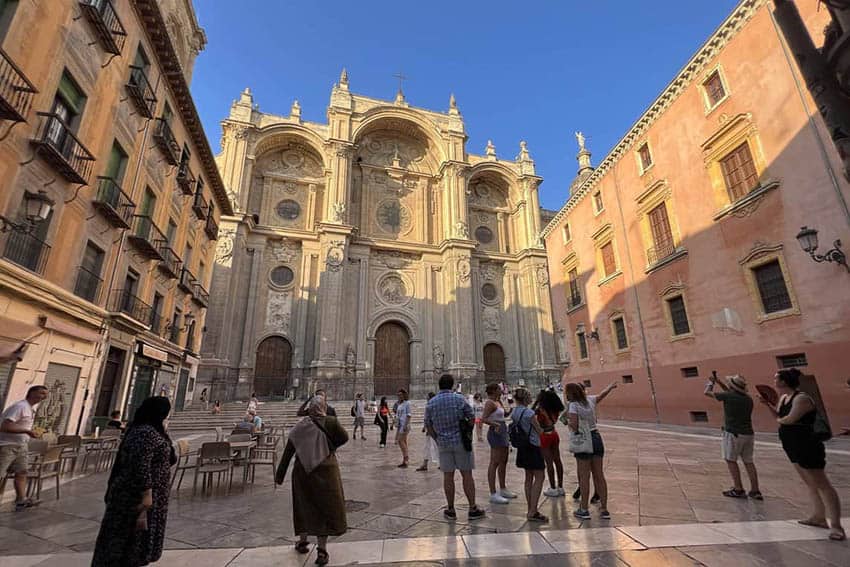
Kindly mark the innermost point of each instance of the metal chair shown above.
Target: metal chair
(72, 450)
(46, 466)
(185, 462)
(265, 454)
(213, 458)
(239, 437)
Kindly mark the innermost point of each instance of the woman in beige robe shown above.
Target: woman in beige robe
(318, 502)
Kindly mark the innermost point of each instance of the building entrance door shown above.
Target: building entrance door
(494, 363)
(271, 370)
(392, 359)
(109, 380)
(182, 384)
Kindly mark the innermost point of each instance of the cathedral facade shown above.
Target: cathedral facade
(373, 252)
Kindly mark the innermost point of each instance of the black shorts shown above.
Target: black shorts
(808, 455)
(598, 447)
(530, 458)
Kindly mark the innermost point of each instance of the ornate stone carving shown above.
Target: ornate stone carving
(542, 275)
(224, 247)
(439, 358)
(283, 250)
(350, 359)
(393, 290)
(463, 269)
(278, 311)
(295, 160)
(335, 255)
(491, 322)
(339, 210)
(395, 259)
(393, 217)
(390, 148)
(491, 271)
(461, 230)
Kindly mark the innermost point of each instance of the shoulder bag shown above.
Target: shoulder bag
(581, 441)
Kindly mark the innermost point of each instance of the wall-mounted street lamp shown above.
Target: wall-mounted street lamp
(188, 319)
(808, 239)
(38, 207)
(594, 334)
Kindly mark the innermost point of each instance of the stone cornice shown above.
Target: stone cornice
(745, 10)
(153, 23)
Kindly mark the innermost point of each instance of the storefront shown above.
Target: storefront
(147, 364)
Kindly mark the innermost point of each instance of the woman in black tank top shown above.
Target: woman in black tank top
(796, 414)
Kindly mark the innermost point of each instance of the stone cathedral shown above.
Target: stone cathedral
(373, 252)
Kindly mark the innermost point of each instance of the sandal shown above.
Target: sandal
(538, 517)
(814, 523)
(735, 493)
(755, 495)
(302, 547)
(322, 556)
(837, 534)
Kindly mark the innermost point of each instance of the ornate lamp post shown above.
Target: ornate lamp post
(808, 239)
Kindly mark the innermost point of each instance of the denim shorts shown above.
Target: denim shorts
(499, 439)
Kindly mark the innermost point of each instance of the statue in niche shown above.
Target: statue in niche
(439, 358)
(350, 359)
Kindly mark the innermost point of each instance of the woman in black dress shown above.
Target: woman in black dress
(382, 420)
(133, 526)
(796, 413)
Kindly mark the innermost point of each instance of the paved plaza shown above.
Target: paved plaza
(665, 500)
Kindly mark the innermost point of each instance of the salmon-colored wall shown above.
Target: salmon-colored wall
(761, 86)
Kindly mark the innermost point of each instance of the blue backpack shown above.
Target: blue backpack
(519, 438)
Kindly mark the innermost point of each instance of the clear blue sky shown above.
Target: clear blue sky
(533, 70)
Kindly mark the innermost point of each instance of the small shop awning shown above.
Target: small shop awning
(14, 337)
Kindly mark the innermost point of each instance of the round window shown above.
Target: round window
(282, 276)
(488, 291)
(288, 210)
(484, 235)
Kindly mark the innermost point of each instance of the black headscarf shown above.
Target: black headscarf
(153, 412)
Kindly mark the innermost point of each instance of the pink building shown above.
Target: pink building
(677, 255)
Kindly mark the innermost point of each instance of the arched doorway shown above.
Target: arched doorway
(494, 363)
(392, 358)
(271, 371)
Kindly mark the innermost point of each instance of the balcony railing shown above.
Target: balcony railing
(103, 18)
(164, 138)
(61, 149)
(211, 228)
(140, 90)
(573, 300)
(88, 284)
(174, 332)
(187, 281)
(15, 91)
(147, 237)
(200, 206)
(26, 250)
(185, 178)
(113, 203)
(659, 252)
(156, 322)
(200, 295)
(124, 301)
(171, 264)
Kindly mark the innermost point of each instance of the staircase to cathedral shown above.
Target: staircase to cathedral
(197, 420)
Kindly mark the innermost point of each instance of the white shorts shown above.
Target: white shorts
(736, 447)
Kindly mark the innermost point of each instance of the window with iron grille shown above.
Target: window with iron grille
(662, 236)
(609, 263)
(575, 293)
(772, 289)
(678, 315)
(88, 277)
(597, 201)
(714, 89)
(620, 333)
(690, 372)
(582, 345)
(792, 360)
(739, 172)
(628, 379)
(645, 157)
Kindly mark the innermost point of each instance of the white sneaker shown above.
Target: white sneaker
(561, 492)
(507, 493)
(551, 492)
(496, 498)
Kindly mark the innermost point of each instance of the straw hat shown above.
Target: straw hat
(737, 382)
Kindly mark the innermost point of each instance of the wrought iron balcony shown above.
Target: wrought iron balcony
(124, 301)
(659, 252)
(200, 206)
(113, 203)
(58, 145)
(164, 138)
(156, 322)
(185, 178)
(200, 295)
(15, 91)
(573, 300)
(187, 281)
(88, 284)
(26, 250)
(103, 18)
(211, 228)
(147, 238)
(141, 91)
(174, 331)
(171, 264)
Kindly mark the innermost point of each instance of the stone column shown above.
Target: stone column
(334, 253)
(339, 187)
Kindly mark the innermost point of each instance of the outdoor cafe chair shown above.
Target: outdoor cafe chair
(265, 454)
(214, 458)
(186, 460)
(45, 467)
(71, 452)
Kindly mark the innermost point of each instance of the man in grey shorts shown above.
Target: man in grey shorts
(442, 422)
(738, 438)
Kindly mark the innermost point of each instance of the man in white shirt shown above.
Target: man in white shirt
(15, 431)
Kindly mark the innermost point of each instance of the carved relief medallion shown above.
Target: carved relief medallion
(463, 269)
(393, 217)
(335, 255)
(393, 290)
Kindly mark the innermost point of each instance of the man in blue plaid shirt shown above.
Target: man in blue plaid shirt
(442, 422)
